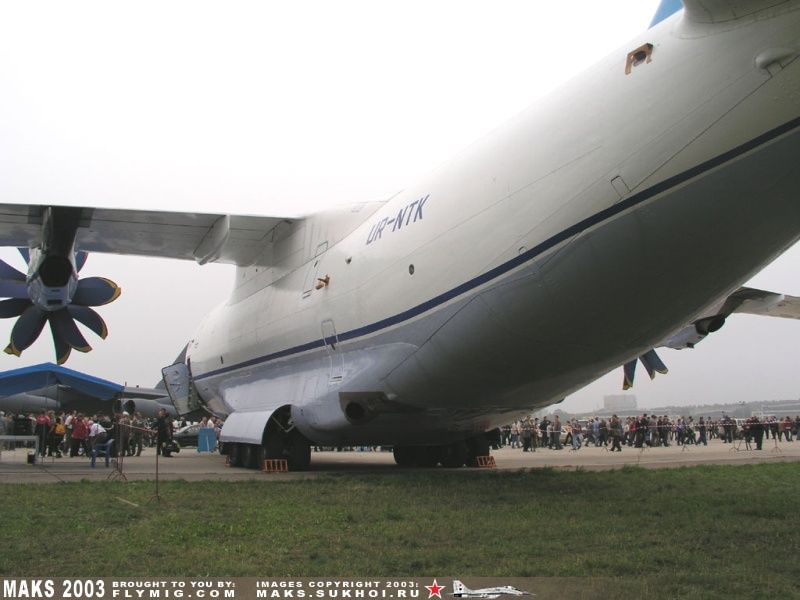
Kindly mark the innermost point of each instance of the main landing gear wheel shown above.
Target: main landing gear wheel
(234, 455)
(282, 440)
(428, 456)
(455, 455)
(247, 453)
(477, 446)
(417, 456)
(404, 456)
(298, 450)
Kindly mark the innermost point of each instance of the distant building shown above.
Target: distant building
(619, 402)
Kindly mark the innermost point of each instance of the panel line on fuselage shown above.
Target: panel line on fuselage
(528, 255)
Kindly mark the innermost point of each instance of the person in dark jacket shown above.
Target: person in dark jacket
(163, 433)
(757, 429)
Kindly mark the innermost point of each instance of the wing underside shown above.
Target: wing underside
(712, 11)
(745, 300)
(190, 236)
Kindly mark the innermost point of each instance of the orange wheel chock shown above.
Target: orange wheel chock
(275, 465)
(486, 462)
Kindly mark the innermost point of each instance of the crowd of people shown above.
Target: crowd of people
(645, 430)
(75, 434)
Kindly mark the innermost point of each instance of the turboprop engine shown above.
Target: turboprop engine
(52, 292)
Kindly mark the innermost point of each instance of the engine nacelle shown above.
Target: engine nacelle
(144, 406)
(690, 335)
(709, 325)
(24, 403)
(53, 280)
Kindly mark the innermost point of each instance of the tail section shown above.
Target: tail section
(667, 8)
(459, 588)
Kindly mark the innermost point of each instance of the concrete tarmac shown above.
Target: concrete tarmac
(189, 465)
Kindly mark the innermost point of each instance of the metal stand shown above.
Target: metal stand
(117, 473)
(737, 445)
(157, 496)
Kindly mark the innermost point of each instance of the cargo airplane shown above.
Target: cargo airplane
(619, 214)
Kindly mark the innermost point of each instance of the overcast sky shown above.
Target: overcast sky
(283, 108)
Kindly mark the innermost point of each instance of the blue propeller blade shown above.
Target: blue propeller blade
(63, 349)
(14, 307)
(8, 272)
(65, 329)
(26, 330)
(653, 364)
(96, 291)
(629, 370)
(90, 318)
(13, 289)
(80, 260)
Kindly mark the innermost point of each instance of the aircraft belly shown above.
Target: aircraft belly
(612, 291)
(554, 324)
(445, 329)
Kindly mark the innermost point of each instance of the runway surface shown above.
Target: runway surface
(191, 466)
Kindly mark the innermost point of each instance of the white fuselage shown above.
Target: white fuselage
(561, 245)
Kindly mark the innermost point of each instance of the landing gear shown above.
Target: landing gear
(234, 455)
(417, 456)
(405, 456)
(247, 452)
(283, 440)
(298, 451)
(450, 456)
(454, 455)
(477, 446)
(428, 456)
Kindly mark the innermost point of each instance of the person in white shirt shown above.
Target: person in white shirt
(97, 434)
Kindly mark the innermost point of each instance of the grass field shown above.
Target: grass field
(699, 532)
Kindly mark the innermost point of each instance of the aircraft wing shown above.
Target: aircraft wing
(200, 237)
(759, 302)
(745, 300)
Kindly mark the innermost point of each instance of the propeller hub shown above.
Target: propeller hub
(53, 284)
(48, 298)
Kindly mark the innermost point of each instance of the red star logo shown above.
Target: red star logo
(435, 589)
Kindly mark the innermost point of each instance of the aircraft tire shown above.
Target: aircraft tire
(274, 446)
(427, 456)
(259, 454)
(404, 456)
(234, 455)
(298, 451)
(477, 446)
(455, 455)
(246, 452)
